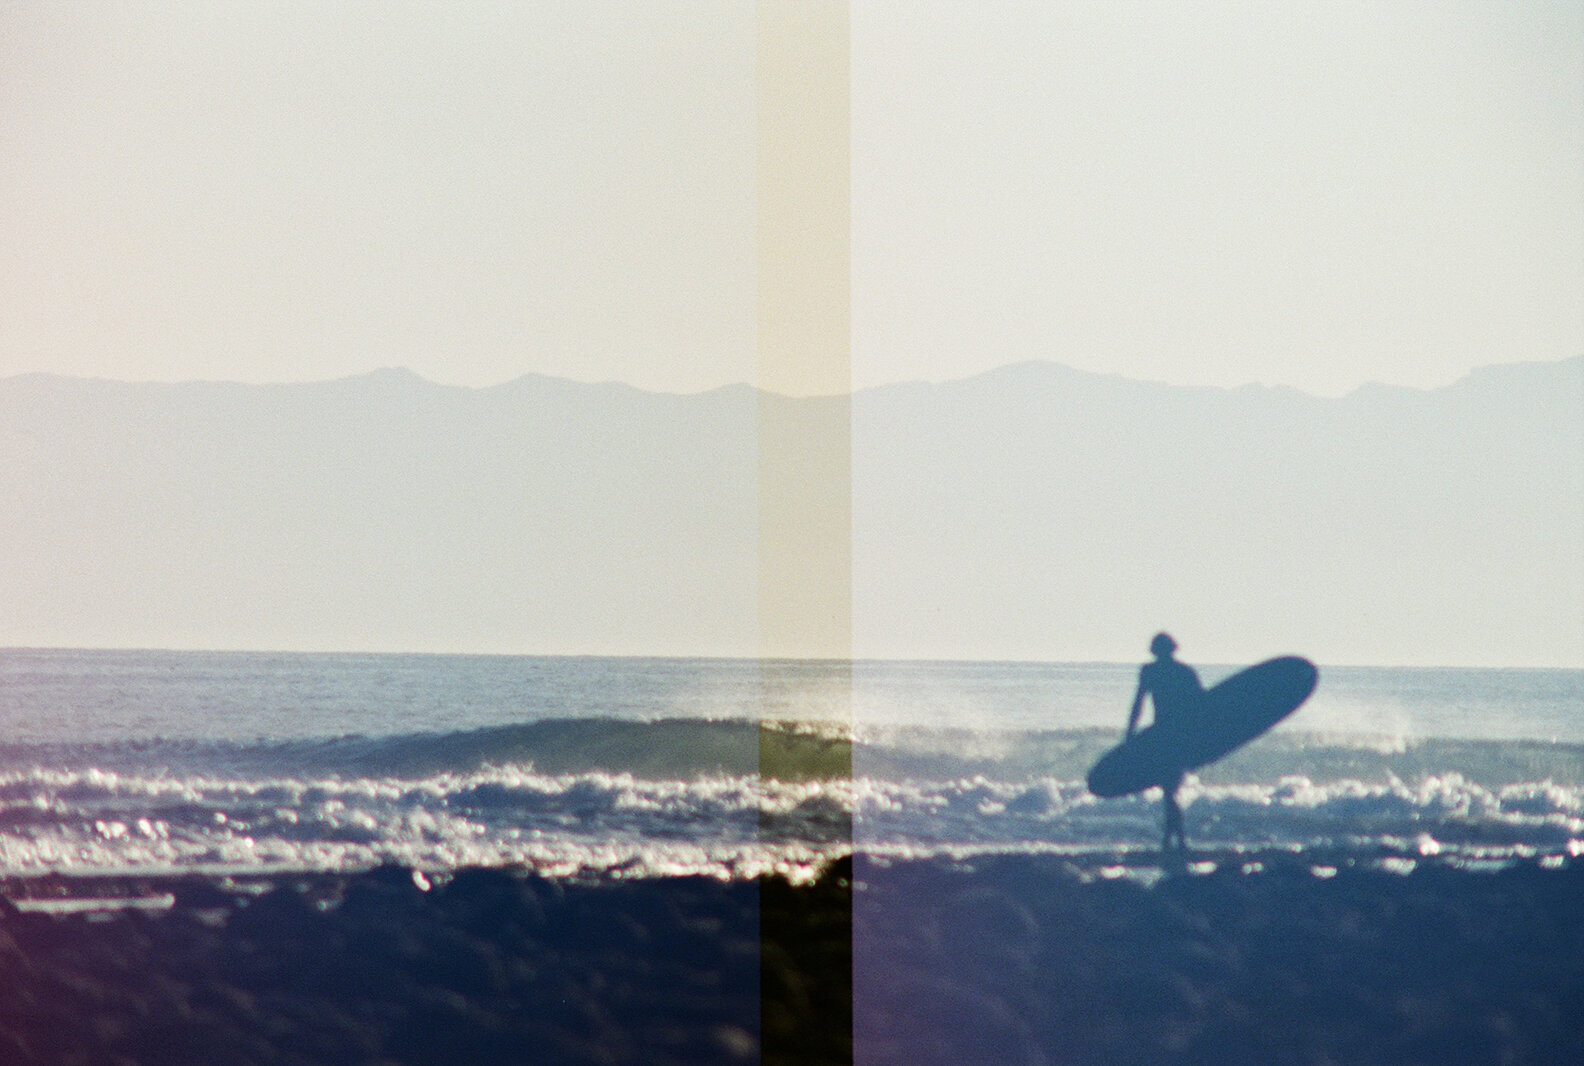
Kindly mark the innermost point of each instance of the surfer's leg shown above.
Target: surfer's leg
(1173, 837)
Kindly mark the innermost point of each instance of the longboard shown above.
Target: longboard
(1230, 715)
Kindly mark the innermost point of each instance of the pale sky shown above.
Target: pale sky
(1314, 195)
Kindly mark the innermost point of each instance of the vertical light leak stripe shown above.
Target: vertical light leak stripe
(804, 311)
(804, 316)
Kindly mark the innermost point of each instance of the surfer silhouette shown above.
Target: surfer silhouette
(1175, 693)
(1194, 726)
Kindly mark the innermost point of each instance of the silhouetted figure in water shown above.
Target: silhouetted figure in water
(1174, 691)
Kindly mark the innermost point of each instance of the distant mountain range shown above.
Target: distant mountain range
(1038, 512)
(1032, 512)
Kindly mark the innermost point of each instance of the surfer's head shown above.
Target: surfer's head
(1162, 646)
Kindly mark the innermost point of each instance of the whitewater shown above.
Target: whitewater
(128, 762)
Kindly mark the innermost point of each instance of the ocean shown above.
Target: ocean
(158, 762)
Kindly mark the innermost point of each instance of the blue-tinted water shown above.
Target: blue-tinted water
(172, 760)
(107, 696)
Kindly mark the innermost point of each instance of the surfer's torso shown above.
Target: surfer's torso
(1174, 689)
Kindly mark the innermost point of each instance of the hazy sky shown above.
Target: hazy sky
(1314, 194)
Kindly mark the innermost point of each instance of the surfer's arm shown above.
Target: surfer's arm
(1138, 707)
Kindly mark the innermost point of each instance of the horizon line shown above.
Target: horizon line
(856, 660)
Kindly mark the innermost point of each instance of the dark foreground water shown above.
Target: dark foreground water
(1013, 960)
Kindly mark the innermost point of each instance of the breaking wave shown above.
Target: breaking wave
(674, 748)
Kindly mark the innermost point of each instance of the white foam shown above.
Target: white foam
(724, 825)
